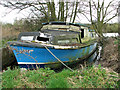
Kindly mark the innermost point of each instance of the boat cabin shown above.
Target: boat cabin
(59, 33)
(50, 38)
(84, 33)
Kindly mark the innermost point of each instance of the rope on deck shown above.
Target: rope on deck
(58, 59)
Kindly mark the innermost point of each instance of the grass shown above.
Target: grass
(88, 77)
(58, 82)
(0, 80)
(10, 78)
(116, 41)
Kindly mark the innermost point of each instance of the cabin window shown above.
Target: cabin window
(27, 38)
(66, 41)
(63, 41)
(42, 39)
(82, 33)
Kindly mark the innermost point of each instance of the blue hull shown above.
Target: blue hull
(89, 60)
(28, 57)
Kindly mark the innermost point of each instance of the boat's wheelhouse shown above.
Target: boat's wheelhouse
(59, 33)
(56, 38)
(84, 33)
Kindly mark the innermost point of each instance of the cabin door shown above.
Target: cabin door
(82, 33)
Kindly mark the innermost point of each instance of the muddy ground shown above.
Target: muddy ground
(110, 54)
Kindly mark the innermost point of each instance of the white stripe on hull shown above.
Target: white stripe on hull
(30, 63)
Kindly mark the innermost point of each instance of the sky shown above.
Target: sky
(6, 17)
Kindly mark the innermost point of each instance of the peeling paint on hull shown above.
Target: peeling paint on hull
(42, 57)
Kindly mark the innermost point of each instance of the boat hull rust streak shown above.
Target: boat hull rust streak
(40, 56)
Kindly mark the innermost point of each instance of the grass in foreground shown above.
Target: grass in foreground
(88, 77)
(0, 80)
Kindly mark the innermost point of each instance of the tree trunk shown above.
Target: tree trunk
(66, 11)
(72, 11)
(52, 10)
(62, 11)
(59, 10)
(48, 13)
(75, 12)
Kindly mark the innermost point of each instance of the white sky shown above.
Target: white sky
(7, 17)
(10, 17)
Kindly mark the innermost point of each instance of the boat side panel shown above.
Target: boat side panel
(41, 55)
(58, 65)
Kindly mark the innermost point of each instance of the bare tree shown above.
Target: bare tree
(47, 8)
(103, 14)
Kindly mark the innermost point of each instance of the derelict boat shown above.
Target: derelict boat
(68, 42)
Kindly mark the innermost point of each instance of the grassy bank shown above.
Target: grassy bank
(87, 77)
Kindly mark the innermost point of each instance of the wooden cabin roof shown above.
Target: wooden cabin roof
(64, 23)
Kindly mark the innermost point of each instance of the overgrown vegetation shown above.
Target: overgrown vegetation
(87, 77)
(109, 28)
(26, 25)
(110, 54)
(0, 80)
(3, 42)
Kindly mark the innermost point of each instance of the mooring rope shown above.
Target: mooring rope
(58, 59)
